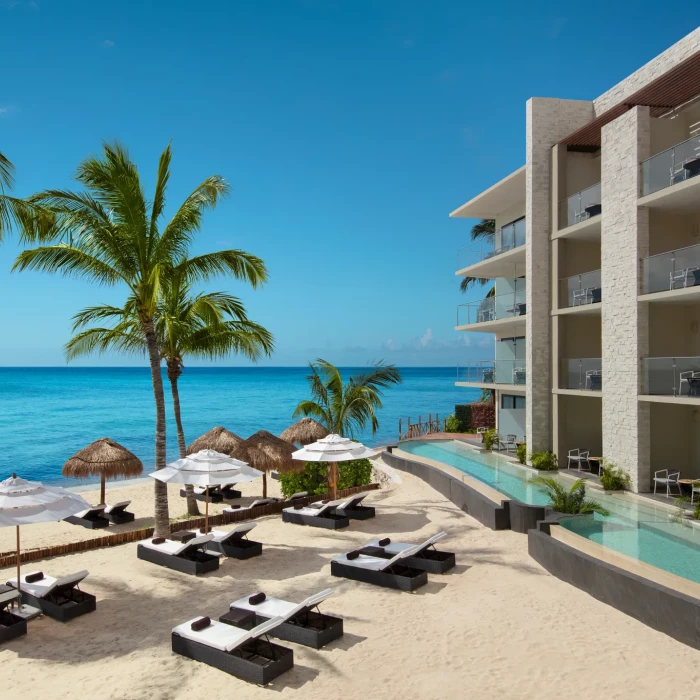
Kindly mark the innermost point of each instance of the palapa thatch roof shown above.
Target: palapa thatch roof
(104, 457)
(265, 451)
(218, 439)
(304, 432)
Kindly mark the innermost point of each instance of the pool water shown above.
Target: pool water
(635, 528)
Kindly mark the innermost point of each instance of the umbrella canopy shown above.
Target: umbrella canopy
(218, 439)
(304, 432)
(333, 448)
(104, 458)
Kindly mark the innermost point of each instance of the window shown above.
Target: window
(512, 401)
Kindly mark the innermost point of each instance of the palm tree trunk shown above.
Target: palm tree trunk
(174, 372)
(162, 525)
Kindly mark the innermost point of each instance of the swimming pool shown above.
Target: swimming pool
(636, 528)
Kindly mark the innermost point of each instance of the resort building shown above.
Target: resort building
(596, 267)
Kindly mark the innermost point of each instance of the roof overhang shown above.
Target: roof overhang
(505, 194)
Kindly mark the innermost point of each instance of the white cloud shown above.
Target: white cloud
(426, 339)
(389, 345)
(107, 44)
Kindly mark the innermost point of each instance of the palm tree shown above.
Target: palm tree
(484, 229)
(113, 235)
(571, 501)
(208, 326)
(346, 408)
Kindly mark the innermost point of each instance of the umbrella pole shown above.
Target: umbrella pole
(206, 511)
(334, 479)
(18, 579)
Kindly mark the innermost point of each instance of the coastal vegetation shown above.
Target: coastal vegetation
(482, 230)
(346, 407)
(314, 478)
(112, 234)
(571, 501)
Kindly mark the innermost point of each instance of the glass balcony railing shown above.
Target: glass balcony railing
(493, 308)
(676, 269)
(580, 290)
(580, 207)
(584, 374)
(505, 239)
(671, 376)
(670, 167)
(493, 372)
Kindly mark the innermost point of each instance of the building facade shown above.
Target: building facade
(595, 263)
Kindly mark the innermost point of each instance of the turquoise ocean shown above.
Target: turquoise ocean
(48, 414)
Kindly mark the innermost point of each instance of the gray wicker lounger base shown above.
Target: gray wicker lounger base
(63, 606)
(432, 561)
(330, 521)
(257, 661)
(240, 549)
(213, 497)
(120, 518)
(197, 564)
(400, 577)
(359, 513)
(90, 523)
(11, 626)
(309, 628)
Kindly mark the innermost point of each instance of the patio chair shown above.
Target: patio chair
(669, 478)
(579, 458)
(594, 379)
(508, 443)
(678, 279)
(685, 377)
(304, 623)
(582, 297)
(694, 488)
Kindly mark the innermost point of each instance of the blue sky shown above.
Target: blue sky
(348, 131)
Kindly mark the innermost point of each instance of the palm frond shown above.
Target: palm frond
(237, 263)
(7, 174)
(123, 339)
(486, 227)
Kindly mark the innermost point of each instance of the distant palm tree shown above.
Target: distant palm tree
(484, 229)
(114, 236)
(346, 408)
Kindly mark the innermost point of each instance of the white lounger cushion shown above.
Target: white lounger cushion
(95, 509)
(121, 504)
(221, 636)
(274, 607)
(396, 547)
(352, 501)
(257, 502)
(42, 588)
(364, 561)
(311, 510)
(175, 548)
(223, 535)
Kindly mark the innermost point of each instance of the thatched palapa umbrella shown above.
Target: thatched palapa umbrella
(218, 439)
(265, 452)
(105, 458)
(304, 432)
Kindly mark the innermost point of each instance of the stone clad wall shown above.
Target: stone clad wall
(624, 240)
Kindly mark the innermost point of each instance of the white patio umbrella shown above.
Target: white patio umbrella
(206, 468)
(333, 448)
(25, 502)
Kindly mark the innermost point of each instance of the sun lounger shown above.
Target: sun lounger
(215, 494)
(257, 502)
(323, 516)
(91, 518)
(235, 543)
(118, 514)
(352, 507)
(60, 598)
(188, 557)
(11, 626)
(242, 653)
(426, 559)
(302, 624)
(389, 573)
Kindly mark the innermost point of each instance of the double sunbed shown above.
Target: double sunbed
(332, 515)
(101, 516)
(216, 493)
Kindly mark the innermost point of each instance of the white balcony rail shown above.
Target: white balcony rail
(671, 376)
(580, 290)
(582, 374)
(493, 308)
(676, 164)
(580, 206)
(505, 239)
(676, 269)
(493, 372)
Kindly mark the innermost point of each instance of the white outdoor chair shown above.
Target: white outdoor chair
(678, 279)
(579, 457)
(508, 443)
(582, 297)
(694, 488)
(664, 476)
(684, 377)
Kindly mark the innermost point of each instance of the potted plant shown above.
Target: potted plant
(613, 478)
(490, 438)
(567, 502)
(521, 452)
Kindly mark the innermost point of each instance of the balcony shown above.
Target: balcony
(499, 255)
(678, 164)
(584, 374)
(581, 291)
(581, 210)
(677, 269)
(671, 376)
(492, 373)
(493, 313)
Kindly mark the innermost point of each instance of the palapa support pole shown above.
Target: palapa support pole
(264, 485)
(102, 489)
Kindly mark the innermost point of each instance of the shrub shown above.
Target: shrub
(613, 478)
(314, 478)
(483, 415)
(544, 461)
(521, 452)
(572, 501)
(490, 437)
(463, 415)
(452, 425)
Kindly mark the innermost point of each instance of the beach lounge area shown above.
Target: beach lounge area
(495, 624)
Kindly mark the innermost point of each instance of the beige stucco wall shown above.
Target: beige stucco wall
(582, 171)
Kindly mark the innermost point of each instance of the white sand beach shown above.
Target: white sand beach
(498, 625)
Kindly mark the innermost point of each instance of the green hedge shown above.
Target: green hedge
(463, 413)
(314, 478)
